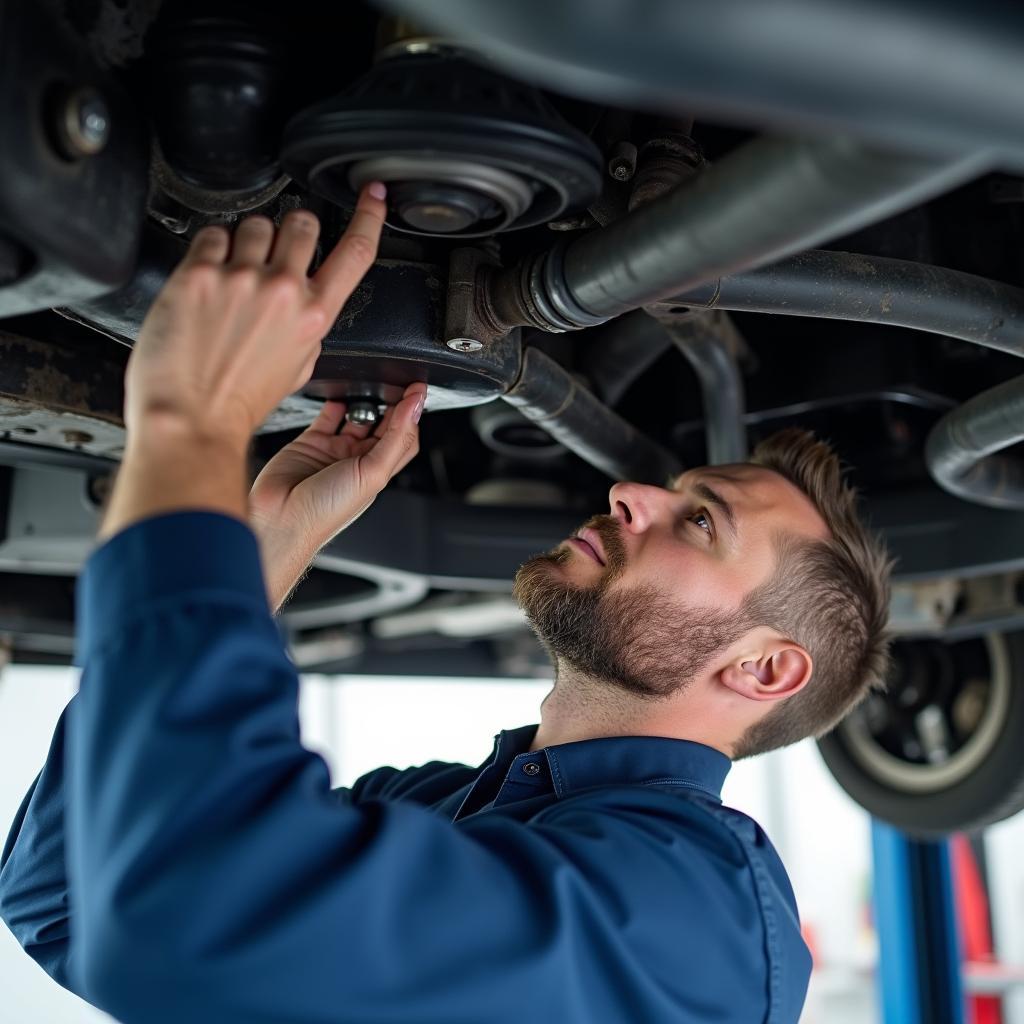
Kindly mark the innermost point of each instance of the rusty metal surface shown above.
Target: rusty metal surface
(66, 395)
(664, 162)
(464, 315)
(61, 396)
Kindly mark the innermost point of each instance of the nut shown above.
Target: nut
(85, 123)
(363, 413)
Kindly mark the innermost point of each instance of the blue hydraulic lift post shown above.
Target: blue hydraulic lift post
(919, 961)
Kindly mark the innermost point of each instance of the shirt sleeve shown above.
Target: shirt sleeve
(34, 898)
(33, 879)
(216, 879)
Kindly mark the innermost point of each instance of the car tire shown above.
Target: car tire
(981, 779)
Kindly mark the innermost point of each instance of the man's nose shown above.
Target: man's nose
(636, 506)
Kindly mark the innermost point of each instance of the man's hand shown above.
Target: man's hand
(238, 325)
(324, 480)
(236, 328)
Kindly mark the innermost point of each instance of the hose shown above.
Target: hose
(877, 290)
(763, 202)
(551, 397)
(705, 342)
(961, 450)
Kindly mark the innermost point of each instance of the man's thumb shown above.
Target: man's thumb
(400, 442)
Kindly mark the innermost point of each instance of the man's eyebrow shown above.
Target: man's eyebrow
(714, 498)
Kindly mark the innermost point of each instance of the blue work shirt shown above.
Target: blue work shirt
(197, 866)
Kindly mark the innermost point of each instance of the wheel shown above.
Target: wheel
(941, 750)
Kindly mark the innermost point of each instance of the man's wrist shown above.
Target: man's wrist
(168, 468)
(286, 556)
(169, 430)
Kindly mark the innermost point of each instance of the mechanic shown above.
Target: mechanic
(586, 872)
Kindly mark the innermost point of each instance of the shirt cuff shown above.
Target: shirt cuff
(161, 558)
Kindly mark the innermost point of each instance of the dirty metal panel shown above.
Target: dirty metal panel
(65, 395)
(57, 395)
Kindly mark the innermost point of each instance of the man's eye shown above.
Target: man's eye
(703, 521)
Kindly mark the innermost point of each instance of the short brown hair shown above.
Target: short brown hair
(830, 596)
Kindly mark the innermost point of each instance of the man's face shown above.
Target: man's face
(650, 593)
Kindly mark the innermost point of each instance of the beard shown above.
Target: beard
(633, 638)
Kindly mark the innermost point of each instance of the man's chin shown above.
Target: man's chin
(540, 580)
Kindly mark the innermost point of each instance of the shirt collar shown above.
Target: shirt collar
(612, 760)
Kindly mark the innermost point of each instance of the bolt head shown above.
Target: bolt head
(86, 123)
(622, 165)
(76, 437)
(363, 413)
(175, 225)
(98, 488)
(465, 344)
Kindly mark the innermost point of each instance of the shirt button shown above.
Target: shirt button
(531, 768)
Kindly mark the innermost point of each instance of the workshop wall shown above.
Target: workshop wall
(1004, 850)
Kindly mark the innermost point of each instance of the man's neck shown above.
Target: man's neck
(581, 708)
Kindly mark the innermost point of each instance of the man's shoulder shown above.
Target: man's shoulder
(425, 784)
(690, 828)
(692, 859)
(660, 807)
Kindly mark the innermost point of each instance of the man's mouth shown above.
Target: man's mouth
(589, 543)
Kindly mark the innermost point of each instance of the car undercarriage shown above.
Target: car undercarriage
(617, 246)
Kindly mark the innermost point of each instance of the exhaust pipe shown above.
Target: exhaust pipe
(876, 290)
(962, 448)
(548, 395)
(710, 342)
(765, 201)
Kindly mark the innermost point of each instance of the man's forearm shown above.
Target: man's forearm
(167, 468)
(162, 474)
(285, 558)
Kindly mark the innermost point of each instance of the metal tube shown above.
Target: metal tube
(961, 451)
(551, 397)
(619, 352)
(962, 447)
(878, 290)
(763, 202)
(705, 342)
(940, 77)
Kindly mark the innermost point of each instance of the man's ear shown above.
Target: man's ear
(779, 669)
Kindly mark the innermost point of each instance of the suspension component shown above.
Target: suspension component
(464, 151)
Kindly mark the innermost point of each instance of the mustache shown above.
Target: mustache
(609, 529)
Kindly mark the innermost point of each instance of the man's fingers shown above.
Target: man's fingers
(328, 418)
(410, 453)
(381, 427)
(355, 252)
(210, 245)
(295, 243)
(400, 440)
(252, 242)
(384, 422)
